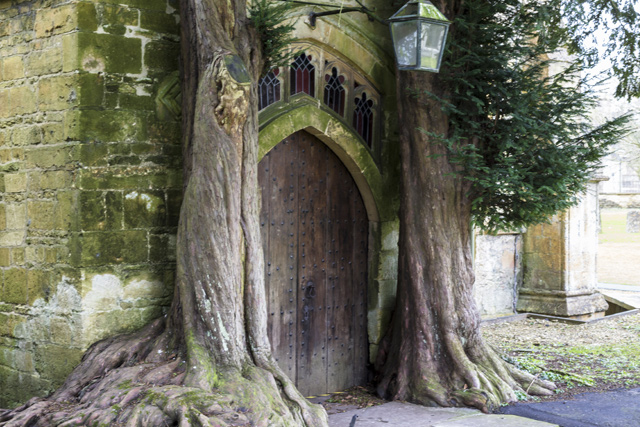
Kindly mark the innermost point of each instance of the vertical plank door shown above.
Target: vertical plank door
(315, 231)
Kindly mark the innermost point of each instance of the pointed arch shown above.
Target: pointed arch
(342, 140)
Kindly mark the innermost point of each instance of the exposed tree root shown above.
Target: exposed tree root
(475, 376)
(133, 381)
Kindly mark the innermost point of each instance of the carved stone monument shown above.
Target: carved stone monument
(560, 263)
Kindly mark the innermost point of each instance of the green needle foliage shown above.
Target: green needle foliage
(520, 133)
(267, 17)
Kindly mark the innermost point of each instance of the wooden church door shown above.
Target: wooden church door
(315, 231)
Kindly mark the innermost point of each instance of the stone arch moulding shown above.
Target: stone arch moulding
(341, 140)
(319, 74)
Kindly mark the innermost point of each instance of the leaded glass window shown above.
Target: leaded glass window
(303, 75)
(269, 89)
(363, 118)
(334, 93)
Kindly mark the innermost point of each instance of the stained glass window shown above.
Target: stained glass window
(334, 92)
(363, 118)
(269, 89)
(303, 75)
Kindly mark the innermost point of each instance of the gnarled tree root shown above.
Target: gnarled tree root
(132, 380)
(475, 376)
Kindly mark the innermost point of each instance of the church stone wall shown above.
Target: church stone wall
(89, 179)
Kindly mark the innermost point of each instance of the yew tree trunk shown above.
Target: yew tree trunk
(209, 362)
(433, 353)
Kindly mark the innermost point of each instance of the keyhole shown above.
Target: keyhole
(310, 290)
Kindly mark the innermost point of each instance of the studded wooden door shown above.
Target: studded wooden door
(315, 232)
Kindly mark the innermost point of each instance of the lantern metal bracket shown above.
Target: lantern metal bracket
(337, 11)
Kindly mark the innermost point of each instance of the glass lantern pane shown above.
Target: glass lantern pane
(431, 44)
(405, 42)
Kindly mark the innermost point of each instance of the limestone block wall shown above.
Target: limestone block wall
(498, 269)
(89, 179)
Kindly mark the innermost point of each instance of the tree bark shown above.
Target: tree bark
(209, 361)
(433, 353)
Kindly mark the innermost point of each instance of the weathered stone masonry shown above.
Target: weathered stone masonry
(89, 180)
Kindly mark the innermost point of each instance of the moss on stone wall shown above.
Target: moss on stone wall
(87, 170)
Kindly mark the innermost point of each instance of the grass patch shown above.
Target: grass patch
(614, 227)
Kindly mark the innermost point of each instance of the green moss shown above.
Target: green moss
(92, 210)
(119, 149)
(115, 213)
(161, 55)
(15, 286)
(93, 154)
(160, 5)
(124, 161)
(199, 355)
(105, 126)
(18, 387)
(86, 15)
(125, 385)
(109, 53)
(143, 148)
(169, 179)
(38, 285)
(118, 15)
(111, 247)
(135, 102)
(144, 209)
(91, 90)
(159, 248)
(56, 362)
(156, 398)
(160, 22)
(111, 179)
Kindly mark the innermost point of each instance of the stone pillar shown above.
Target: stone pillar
(560, 263)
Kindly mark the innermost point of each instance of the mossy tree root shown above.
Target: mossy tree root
(132, 380)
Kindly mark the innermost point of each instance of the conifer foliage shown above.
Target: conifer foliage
(519, 111)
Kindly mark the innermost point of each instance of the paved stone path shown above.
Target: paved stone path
(399, 414)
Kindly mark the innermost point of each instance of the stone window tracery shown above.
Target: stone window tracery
(334, 91)
(302, 75)
(333, 83)
(269, 89)
(363, 116)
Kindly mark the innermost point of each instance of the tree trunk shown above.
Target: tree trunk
(209, 362)
(433, 353)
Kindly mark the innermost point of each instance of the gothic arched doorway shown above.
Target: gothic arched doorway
(315, 232)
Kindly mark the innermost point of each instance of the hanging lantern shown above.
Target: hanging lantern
(419, 32)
